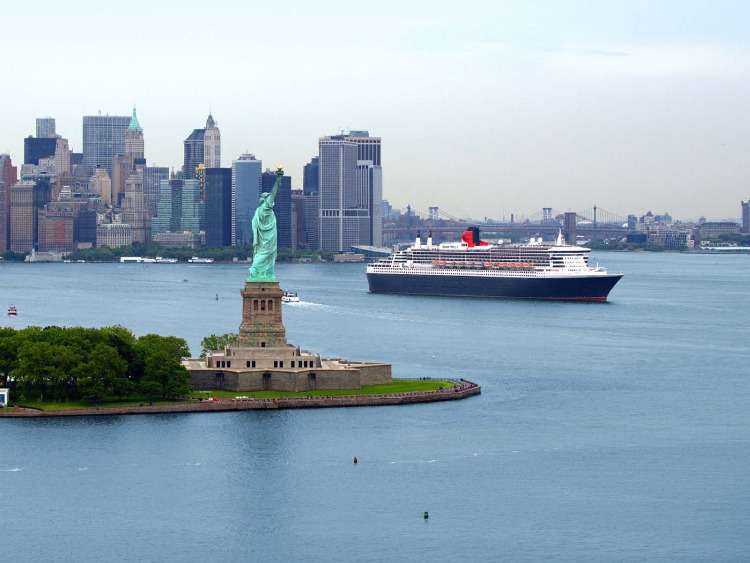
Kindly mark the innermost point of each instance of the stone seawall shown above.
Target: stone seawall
(462, 390)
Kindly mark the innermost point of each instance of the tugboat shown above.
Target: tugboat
(290, 297)
(12, 311)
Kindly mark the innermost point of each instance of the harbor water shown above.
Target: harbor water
(605, 432)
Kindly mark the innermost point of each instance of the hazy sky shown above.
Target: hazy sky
(484, 108)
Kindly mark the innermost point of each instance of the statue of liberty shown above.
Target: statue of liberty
(264, 236)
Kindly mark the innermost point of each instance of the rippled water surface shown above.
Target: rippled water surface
(605, 432)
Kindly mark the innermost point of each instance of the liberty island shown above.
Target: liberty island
(258, 359)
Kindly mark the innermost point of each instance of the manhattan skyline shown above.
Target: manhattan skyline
(487, 111)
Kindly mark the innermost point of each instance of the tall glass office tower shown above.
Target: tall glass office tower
(246, 186)
(103, 138)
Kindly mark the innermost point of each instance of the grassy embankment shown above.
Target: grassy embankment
(70, 405)
(398, 386)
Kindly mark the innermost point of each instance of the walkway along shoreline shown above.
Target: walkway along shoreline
(461, 390)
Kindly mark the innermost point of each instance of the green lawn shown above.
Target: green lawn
(68, 405)
(398, 386)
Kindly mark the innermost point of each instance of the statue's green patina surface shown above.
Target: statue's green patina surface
(264, 236)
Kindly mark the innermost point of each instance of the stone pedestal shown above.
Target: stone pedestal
(262, 326)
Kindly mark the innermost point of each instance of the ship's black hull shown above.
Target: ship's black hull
(585, 288)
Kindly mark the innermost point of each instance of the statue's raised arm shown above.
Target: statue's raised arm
(264, 236)
(276, 184)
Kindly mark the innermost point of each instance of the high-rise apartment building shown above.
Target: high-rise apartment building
(745, 216)
(152, 177)
(282, 207)
(211, 144)
(103, 138)
(218, 195)
(246, 187)
(8, 177)
(45, 128)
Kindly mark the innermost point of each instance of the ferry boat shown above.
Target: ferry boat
(197, 260)
(290, 297)
(475, 268)
(12, 311)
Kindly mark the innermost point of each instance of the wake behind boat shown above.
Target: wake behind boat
(475, 268)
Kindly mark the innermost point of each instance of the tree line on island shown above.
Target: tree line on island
(92, 364)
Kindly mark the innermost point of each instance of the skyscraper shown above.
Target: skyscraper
(134, 211)
(152, 177)
(342, 222)
(8, 177)
(62, 156)
(368, 148)
(282, 207)
(103, 138)
(246, 186)
(193, 156)
(134, 140)
(169, 208)
(211, 144)
(310, 176)
(370, 195)
(45, 128)
(180, 207)
(192, 207)
(57, 227)
(101, 184)
(120, 170)
(27, 199)
(35, 149)
(218, 194)
(745, 216)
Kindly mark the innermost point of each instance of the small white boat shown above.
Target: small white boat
(290, 297)
(12, 311)
(197, 260)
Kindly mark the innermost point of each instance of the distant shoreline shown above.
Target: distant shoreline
(462, 390)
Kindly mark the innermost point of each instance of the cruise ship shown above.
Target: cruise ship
(475, 268)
